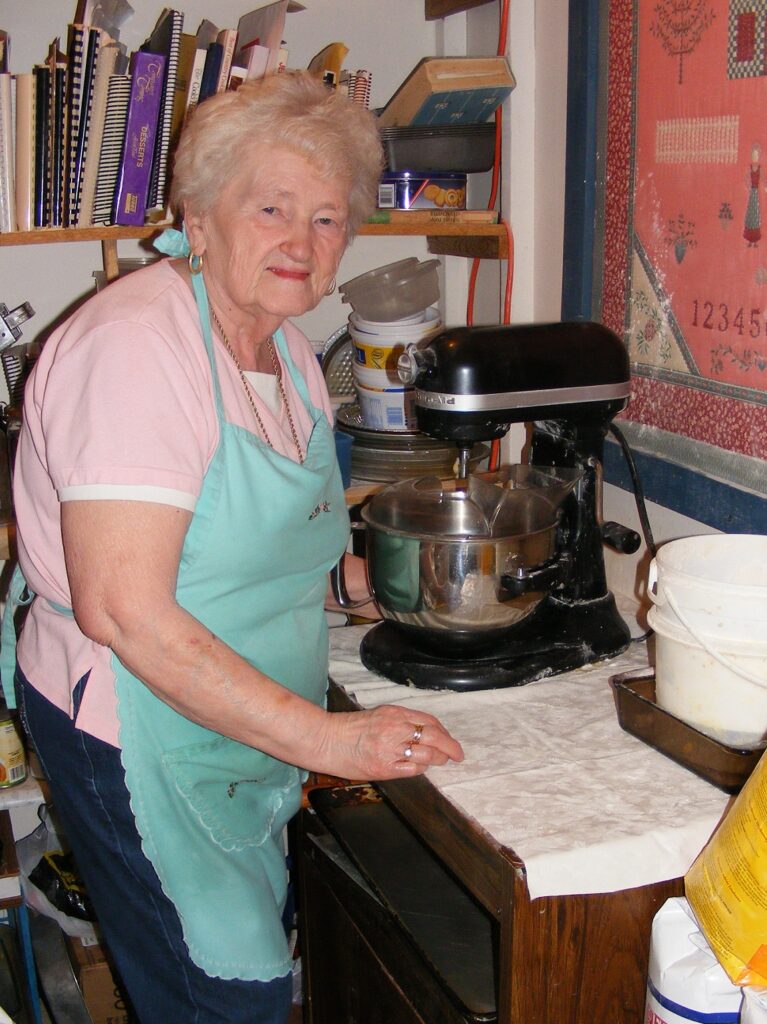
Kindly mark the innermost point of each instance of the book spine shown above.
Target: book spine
(42, 75)
(86, 108)
(113, 135)
(57, 134)
(25, 151)
(106, 67)
(158, 182)
(133, 180)
(77, 41)
(186, 55)
(210, 74)
(195, 79)
(257, 57)
(7, 197)
(228, 39)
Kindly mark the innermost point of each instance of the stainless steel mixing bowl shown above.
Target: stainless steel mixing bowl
(467, 563)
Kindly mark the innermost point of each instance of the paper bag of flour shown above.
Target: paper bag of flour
(727, 885)
(685, 980)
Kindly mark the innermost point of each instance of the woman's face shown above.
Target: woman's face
(272, 243)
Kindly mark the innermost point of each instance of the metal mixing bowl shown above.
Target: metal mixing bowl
(467, 563)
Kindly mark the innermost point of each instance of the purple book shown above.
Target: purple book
(147, 70)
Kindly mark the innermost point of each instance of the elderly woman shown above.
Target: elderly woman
(179, 506)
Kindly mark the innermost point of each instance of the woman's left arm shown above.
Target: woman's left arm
(122, 561)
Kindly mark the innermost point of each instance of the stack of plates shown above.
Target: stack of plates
(387, 455)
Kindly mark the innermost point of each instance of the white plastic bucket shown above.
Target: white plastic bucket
(719, 582)
(717, 685)
(375, 356)
(387, 408)
(710, 619)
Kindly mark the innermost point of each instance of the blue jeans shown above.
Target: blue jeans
(139, 923)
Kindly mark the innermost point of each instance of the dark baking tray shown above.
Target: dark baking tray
(638, 713)
(460, 149)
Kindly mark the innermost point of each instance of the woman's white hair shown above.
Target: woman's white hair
(294, 110)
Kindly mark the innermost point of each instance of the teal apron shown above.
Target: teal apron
(211, 811)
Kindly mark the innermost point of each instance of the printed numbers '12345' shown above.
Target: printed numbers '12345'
(719, 316)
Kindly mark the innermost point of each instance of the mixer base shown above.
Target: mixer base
(557, 638)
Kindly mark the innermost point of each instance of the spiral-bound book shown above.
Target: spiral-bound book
(78, 137)
(24, 153)
(112, 61)
(110, 153)
(165, 40)
(7, 195)
(147, 76)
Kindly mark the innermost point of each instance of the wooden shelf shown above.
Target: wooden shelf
(487, 241)
(98, 234)
(434, 9)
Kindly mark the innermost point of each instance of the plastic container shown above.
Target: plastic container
(685, 982)
(386, 408)
(376, 355)
(754, 1009)
(715, 683)
(709, 614)
(718, 582)
(406, 330)
(394, 291)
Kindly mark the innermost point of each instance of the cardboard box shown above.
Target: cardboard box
(102, 996)
(444, 91)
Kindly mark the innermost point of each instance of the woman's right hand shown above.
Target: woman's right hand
(388, 742)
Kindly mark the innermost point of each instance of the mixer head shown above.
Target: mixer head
(472, 383)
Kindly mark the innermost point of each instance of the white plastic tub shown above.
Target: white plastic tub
(720, 688)
(719, 582)
(709, 615)
(386, 408)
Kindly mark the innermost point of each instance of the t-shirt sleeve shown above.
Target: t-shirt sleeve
(128, 414)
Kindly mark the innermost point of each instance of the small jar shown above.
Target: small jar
(13, 755)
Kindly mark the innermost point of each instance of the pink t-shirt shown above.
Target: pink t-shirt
(120, 405)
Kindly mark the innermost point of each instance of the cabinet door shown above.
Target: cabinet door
(344, 980)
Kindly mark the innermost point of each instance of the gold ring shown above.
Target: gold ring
(408, 752)
(417, 733)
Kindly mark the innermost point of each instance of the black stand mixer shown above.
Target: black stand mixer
(569, 380)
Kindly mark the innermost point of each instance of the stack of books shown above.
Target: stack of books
(87, 136)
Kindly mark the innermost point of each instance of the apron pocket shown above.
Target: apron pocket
(242, 796)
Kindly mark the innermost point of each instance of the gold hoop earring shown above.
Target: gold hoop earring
(331, 287)
(195, 263)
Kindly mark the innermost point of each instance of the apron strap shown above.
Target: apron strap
(19, 595)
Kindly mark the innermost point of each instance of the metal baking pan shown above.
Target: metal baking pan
(638, 713)
(447, 928)
(462, 149)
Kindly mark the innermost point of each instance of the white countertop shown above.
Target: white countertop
(550, 774)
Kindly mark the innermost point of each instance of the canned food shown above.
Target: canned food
(13, 759)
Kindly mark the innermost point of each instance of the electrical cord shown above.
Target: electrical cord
(644, 519)
(639, 498)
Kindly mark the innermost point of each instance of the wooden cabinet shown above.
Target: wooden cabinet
(558, 960)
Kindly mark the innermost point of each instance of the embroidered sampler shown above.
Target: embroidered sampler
(685, 249)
